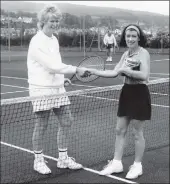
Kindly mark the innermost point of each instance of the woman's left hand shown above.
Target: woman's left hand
(124, 70)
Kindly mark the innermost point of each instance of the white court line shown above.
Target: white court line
(55, 159)
(110, 99)
(14, 92)
(157, 105)
(27, 88)
(93, 65)
(160, 73)
(14, 86)
(14, 78)
(116, 63)
(101, 98)
(163, 94)
(27, 79)
(110, 176)
(160, 60)
(154, 77)
(84, 85)
(151, 61)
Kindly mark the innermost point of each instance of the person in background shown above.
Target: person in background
(46, 78)
(110, 43)
(134, 100)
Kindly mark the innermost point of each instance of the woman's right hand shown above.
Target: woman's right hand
(91, 71)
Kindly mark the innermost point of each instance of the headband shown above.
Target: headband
(133, 27)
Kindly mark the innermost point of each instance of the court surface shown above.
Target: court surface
(14, 84)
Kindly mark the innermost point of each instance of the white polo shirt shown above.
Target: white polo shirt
(109, 39)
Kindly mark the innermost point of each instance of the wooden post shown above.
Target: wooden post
(80, 33)
(84, 38)
(98, 36)
(9, 39)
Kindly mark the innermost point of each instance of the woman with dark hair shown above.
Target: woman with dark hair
(134, 101)
(142, 38)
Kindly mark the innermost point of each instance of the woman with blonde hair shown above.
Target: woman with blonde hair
(46, 78)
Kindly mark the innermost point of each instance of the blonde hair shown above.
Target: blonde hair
(43, 15)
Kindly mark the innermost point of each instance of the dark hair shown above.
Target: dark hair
(142, 37)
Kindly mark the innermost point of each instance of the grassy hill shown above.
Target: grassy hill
(127, 15)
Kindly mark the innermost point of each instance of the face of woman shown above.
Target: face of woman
(51, 24)
(132, 39)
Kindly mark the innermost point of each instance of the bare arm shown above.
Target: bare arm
(109, 73)
(106, 73)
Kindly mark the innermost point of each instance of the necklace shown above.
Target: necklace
(134, 53)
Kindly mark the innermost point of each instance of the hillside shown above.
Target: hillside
(127, 15)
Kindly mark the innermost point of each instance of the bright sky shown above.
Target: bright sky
(161, 7)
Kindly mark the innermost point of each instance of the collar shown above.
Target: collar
(43, 34)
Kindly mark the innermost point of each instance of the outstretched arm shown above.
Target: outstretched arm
(49, 62)
(106, 73)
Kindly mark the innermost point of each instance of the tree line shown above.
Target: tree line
(69, 20)
(73, 40)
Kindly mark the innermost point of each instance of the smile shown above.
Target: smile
(131, 43)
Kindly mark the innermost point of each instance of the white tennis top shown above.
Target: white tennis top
(45, 67)
(139, 56)
(109, 39)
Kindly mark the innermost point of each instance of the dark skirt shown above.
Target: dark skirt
(135, 102)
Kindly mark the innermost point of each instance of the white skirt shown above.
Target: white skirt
(46, 99)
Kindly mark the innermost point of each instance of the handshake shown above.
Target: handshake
(85, 72)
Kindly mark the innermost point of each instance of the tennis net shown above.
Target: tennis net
(92, 135)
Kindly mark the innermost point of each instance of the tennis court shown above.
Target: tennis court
(92, 135)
